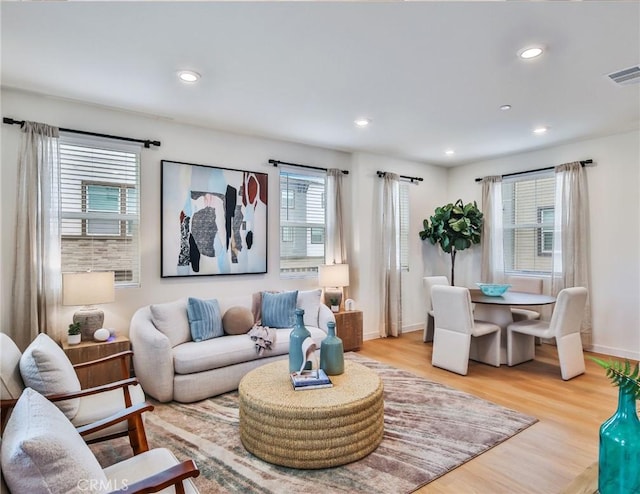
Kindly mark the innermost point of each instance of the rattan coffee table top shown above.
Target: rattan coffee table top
(270, 386)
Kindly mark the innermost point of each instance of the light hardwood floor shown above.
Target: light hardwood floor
(544, 458)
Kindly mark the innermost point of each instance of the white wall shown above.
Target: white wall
(614, 195)
(181, 143)
(203, 146)
(614, 186)
(423, 199)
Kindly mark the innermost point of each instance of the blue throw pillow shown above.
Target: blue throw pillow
(279, 309)
(205, 320)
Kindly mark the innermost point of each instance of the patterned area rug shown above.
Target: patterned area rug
(430, 429)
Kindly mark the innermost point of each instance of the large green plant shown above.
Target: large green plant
(455, 227)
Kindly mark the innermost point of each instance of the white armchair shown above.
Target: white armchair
(46, 368)
(564, 326)
(43, 452)
(457, 336)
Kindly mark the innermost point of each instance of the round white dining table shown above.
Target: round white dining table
(498, 310)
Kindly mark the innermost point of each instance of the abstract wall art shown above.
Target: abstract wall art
(214, 220)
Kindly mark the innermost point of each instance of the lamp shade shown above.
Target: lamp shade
(333, 275)
(88, 288)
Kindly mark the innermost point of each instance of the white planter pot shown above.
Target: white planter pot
(74, 339)
(335, 308)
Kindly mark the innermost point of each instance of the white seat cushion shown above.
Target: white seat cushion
(98, 406)
(521, 314)
(142, 466)
(533, 328)
(192, 357)
(46, 368)
(481, 328)
(42, 451)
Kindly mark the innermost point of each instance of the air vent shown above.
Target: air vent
(626, 76)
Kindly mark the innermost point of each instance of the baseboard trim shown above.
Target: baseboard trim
(614, 352)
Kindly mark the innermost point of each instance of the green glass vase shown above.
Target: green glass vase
(619, 456)
(332, 352)
(296, 337)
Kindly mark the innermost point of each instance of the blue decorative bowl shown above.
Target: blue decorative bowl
(493, 289)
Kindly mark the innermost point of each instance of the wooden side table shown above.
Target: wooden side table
(91, 350)
(349, 329)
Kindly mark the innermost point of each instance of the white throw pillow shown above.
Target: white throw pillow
(172, 321)
(309, 300)
(43, 452)
(47, 369)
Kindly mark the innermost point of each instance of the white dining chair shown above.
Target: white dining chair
(528, 284)
(429, 282)
(564, 326)
(457, 337)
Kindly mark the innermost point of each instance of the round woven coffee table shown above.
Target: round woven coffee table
(316, 428)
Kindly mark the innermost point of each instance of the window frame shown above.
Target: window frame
(545, 230)
(302, 221)
(540, 263)
(84, 162)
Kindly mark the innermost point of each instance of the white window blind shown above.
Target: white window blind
(302, 222)
(404, 226)
(528, 216)
(99, 206)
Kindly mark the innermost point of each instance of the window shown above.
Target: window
(99, 206)
(545, 232)
(288, 199)
(528, 221)
(287, 234)
(302, 222)
(317, 235)
(404, 227)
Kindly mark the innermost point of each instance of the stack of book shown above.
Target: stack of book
(310, 379)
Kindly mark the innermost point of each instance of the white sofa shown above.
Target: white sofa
(171, 366)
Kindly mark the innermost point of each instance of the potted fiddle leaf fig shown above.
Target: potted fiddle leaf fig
(455, 227)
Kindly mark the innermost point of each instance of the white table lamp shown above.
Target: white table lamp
(333, 277)
(87, 289)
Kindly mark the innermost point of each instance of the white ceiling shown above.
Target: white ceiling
(430, 76)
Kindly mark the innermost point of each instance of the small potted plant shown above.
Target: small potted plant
(74, 335)
(335, 305)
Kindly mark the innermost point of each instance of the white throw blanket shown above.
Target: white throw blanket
(264, 336)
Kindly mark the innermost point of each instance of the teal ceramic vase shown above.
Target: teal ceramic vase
(296, 337)
(619, 458)
(332, 352)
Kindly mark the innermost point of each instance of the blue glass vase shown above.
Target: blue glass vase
(296, 337)
(332, 352)
(619, 459)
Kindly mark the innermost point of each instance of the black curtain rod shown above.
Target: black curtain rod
(416, 179)
(514, 174)
(277, 162)
(146, 142)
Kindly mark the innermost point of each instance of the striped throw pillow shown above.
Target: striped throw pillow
(278, 309)
(205, 320)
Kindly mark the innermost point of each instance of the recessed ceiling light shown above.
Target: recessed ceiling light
(530, 52)
(449, 152)
(540, 130)
(188, 76)
(362, 122)
(505, 107)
